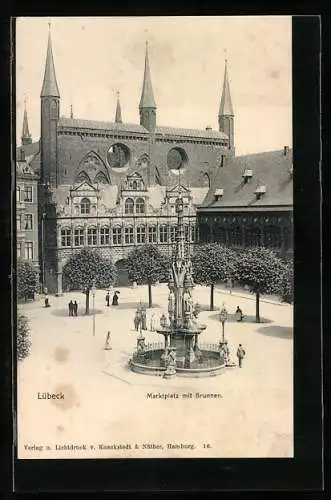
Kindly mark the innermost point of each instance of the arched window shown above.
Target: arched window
(152, 234)
(129, 206)
(83, 176)
(163, 233)
(193, 233)
(128, 235)
(117, 235)
(236, 236)
(141, 234)
(140, 206)
(79, 237)
(92, 236)
(85, 206)
(134, 185)
(272, 237)
(220, 234)
(66, 237)
(206, 180)
(104, 236)
(101, 178)
(253, 236)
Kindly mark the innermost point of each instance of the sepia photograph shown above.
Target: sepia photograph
(154, 237)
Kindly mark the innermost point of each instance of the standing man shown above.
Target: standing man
(71, 308)
(75, 307)
(143, 319)
(107, 298)
(240, 354)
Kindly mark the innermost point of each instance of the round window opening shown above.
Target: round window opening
(177, 158)
(118, 156)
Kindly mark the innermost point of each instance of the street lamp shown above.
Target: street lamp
(43, 250)
(223, 318)
(93, 295)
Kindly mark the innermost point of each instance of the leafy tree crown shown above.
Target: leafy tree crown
(88, 267)
(147, 265)
(213, 263)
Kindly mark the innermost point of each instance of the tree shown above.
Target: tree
(27, 279)
(262, 271)
(23, 342)
(88, 268)
(287, 292)
(213, 263)
(147, 265)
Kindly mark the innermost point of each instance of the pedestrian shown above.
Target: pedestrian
(46, 301)
(107, 343)
(152, 323)
(240, 354)
(71, 308)
(239, 314)
(136, 320)
(107, 299)
(143, 319)
(75, 308)
(115, 299)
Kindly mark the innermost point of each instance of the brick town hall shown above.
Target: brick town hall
(113, 185)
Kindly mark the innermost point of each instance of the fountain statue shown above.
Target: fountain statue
(181, 354)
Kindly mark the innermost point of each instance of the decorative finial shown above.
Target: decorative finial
(24, 101)
(118, 94)
(71, 112)
(49, 25)
(225, 56)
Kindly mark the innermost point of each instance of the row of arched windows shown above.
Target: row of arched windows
(127, 235)
(132, 206)
(268, 236)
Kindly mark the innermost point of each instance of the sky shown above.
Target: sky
(97, 56)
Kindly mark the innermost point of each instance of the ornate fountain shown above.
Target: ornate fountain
(180, 354)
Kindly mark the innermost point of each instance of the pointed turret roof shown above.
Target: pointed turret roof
(147, 96)
(49, 88)
(226, 103)
(118, 114)
(26, 136)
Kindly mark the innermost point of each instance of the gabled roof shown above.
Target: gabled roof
(84, 185)
(271, 169)
(98, 125)
(191, 132)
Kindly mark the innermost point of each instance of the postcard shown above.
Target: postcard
(154, 212)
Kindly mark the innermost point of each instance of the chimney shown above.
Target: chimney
(208, 127)
(286, 150)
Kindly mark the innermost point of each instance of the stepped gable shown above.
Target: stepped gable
(271, 169)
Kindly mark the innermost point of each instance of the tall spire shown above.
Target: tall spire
(49, 88)
(226, 108)
(71, 112)
(147, 96)
(26, 136)
(118, 114)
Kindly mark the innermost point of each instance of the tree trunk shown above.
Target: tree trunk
(150, 295)
(257, 319)
(87, 303)
(212, 297)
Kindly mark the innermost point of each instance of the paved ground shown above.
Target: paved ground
(105, 403)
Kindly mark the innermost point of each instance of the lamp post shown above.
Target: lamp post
(93, 295)
(43, 217)
(223, 318)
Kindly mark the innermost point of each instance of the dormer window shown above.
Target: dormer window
(85, 206)
(219, 193)
(247, 175)
(260, 191)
